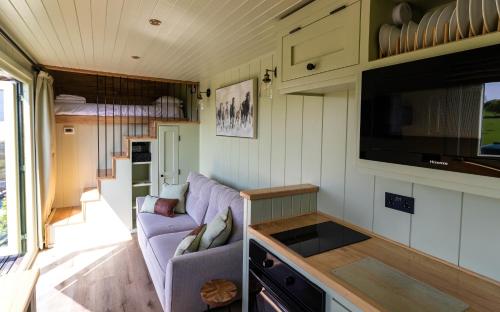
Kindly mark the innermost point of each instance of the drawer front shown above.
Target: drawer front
(327, 44)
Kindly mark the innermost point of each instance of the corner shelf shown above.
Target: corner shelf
(141, 163)
(141, 177)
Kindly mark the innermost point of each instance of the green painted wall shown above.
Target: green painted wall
(309, 139)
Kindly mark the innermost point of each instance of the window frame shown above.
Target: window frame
(33, 217)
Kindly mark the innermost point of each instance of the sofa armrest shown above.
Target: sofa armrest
(138, 202)
(186, 274)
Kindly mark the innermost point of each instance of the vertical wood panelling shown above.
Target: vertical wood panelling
(359, 187)
(293, 148)
(253, 145)
(277, 208)
(311, 145)
(435, 225)
(389, 222)
(279, 141)
(305, 206)
(290, 153)
(331, 195)
(264, 117)
(287, 206)
(479, 249)
(243, 180)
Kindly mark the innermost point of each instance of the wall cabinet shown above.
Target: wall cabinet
(318, 43)
(329, 43)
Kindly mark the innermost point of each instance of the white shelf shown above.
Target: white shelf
(141, 183)
(142, 163)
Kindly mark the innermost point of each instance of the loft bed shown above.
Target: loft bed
(72, 108)
(82, 97)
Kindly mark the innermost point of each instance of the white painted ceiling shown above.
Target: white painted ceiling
(196, 38)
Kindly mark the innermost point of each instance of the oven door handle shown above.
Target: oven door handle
(271, 301)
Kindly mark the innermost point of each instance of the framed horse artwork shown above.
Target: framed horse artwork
(236, 110)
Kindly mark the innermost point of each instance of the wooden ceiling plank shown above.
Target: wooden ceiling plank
(39, 10)
(130, 9)
(25, 38)
(267, 33)
(148, 61)
(99, 26)
(58, 23)
(137, 36)
(84, 18)
(232, 6)
(68, 13)
(114, 16)
(23, 14)
(268, 16)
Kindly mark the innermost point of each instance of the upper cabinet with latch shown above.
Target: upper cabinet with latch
(322, 37)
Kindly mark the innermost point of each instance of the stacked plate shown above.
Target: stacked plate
(456, 20)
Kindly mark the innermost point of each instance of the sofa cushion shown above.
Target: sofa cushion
(191, 242)
(200, 188)
(164, 246)
(221, 198)
(218, 230)
(153, 224)
(175, 191)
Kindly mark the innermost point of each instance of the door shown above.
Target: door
(168, 158)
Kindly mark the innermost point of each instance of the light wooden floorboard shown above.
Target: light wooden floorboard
(103, 278)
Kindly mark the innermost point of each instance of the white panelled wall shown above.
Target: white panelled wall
(312, 139)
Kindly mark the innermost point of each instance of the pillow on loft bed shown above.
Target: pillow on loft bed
(167, 99)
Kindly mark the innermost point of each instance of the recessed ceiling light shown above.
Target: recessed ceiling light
(155, 22)
(135, 57)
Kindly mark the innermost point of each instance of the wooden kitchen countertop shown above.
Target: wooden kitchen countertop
(479, 293)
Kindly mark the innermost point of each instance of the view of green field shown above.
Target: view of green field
(491, 128)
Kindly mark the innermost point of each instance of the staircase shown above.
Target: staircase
(110, 174)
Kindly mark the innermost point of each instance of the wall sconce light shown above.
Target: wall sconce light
(266, 86)
(201, 100)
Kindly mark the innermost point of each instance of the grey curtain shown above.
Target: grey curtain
(45, 136)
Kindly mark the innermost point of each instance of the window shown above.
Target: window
(490, 120)
(13, 226)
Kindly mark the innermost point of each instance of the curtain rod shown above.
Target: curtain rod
(19, 49)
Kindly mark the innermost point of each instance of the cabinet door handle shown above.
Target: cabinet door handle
(311, 66)
(338, 9)
(295, 30)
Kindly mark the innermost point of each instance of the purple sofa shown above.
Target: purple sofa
(178, 280)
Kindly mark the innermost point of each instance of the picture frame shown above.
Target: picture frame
(236, 110)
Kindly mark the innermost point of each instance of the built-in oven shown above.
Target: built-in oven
(276, 287)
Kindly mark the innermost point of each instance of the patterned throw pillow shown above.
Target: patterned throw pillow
(162, 206)
(175, 191)
(191, 242)
(218, 230)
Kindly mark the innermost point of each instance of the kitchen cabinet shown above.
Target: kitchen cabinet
(327, 44)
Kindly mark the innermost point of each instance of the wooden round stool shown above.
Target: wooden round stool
(218, 293)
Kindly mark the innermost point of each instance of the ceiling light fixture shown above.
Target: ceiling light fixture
(155, 22)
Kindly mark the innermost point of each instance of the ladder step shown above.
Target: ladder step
(105, 174)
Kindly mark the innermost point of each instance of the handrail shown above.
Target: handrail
(281, 191)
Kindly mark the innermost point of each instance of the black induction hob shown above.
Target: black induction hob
(314, 239)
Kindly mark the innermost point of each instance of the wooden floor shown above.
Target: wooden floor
(97, 268)
(108, 278)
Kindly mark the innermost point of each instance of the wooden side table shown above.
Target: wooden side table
(218, 293)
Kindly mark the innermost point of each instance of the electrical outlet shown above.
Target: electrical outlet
(400, 203)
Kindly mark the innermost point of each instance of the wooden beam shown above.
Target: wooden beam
(111, 74)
